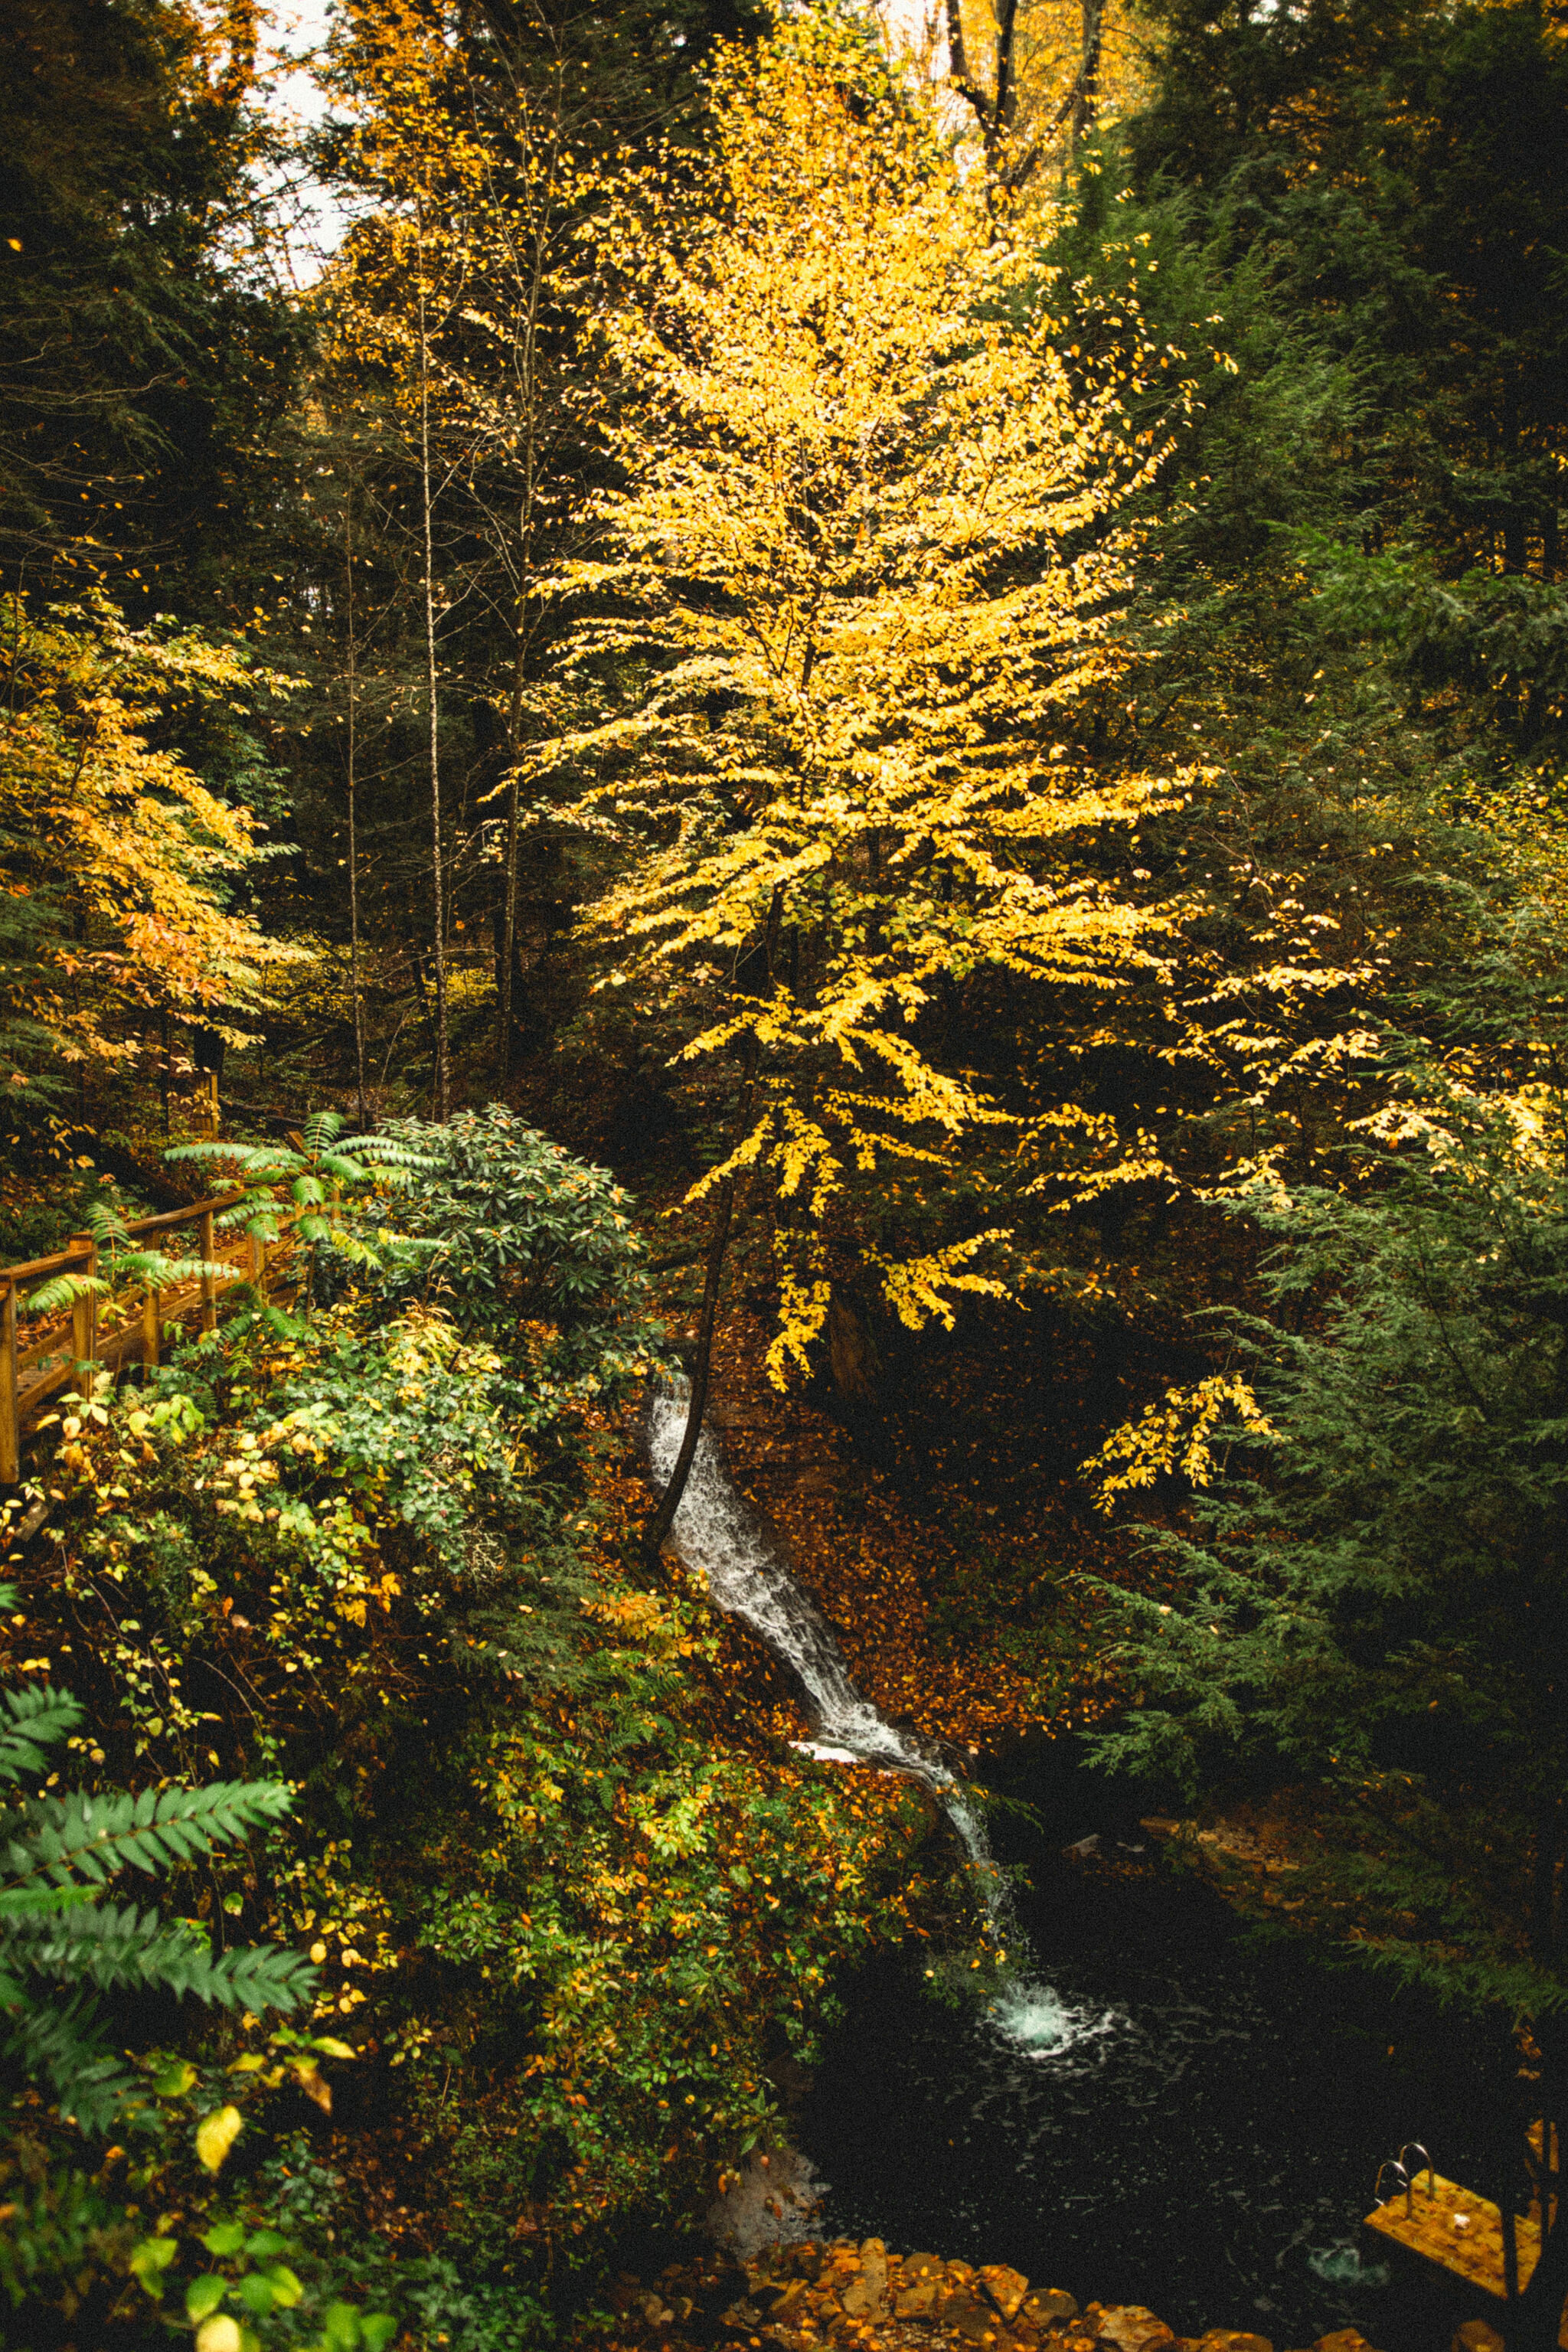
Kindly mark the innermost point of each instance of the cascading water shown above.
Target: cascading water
(715, 1530)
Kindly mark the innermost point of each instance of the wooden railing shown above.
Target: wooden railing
(36, 1365)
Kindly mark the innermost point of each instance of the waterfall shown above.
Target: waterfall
(718, 1532)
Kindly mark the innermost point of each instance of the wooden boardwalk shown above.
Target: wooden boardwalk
(38, 1360)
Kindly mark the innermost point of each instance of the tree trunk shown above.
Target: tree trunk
(443, 1088)
(663, 1519)
(1532, 2324)
(1085, 104)
(957, 61)
(509, 943)
(354, 839)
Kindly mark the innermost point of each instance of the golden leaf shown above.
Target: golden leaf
(215, 2134)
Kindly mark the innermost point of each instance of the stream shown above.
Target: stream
(1168, 2115)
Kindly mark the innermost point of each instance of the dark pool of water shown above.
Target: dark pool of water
(1209, 2150)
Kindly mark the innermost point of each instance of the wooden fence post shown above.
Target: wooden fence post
(209, 1290)
(10, 1429)
(152, 1327)
(84, 1315)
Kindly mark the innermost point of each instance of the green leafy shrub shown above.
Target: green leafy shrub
(518, 1232)
(570, 1903)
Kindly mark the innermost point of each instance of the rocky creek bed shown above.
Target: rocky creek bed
(796, 2298)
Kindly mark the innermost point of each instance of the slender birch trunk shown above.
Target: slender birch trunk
(509, 925)
(354, 839)
(443, 1089)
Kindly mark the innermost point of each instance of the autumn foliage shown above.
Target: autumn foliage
(121, 862)
(867, 568)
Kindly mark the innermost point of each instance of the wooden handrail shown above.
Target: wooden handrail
(80, 1249)
(52, 1357)
(31, 1267)
(168, 1218)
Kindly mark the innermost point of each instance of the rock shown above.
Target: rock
(768, 2201)
(866, 2292)
(1047, 2307)
(964, 2314)
(1007, 2289)
(742, 2318)
(1344, 2339)
(1476, 2336)
(1131, 2327)
(1236, 2339)
(919, 2277)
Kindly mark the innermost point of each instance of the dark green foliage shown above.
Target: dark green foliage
(141, 364)
(1381, 1609)
(516, 1231)
(61, 1944)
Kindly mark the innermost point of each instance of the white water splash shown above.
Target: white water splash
(1039, 2024)
(716, 1530)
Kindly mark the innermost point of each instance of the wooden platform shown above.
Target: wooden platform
(1432, 2229)
(1463, 2233)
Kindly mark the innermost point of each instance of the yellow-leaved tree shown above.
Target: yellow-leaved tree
(118, 863)
(864, 569)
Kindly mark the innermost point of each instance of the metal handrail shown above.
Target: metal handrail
(1391, 2164)
(1415, 2147)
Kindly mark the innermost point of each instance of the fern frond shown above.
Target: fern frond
(259, 1215)
(346, 1170)
(53, 1298)
(113, 1946)
(254, 1162)
(248, 1215)
(107, 1945)
(161, 1273)
(387, 1150)
(61, 2041)
(107, 1226)
(92, 1838)
(30, 1722)
(257, 1976)
(322, 1130)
